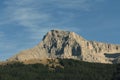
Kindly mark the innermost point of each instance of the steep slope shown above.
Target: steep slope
(65, 44)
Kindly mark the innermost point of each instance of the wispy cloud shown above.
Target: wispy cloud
(39, 16)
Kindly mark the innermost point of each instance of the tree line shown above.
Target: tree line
(73, 70)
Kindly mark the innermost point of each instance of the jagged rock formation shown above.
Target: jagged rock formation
(65, 44)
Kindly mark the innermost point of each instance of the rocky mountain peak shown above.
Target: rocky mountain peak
(58, 34)
(61, 43)
(65, 44)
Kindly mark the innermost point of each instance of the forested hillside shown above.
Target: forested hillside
(73, 70)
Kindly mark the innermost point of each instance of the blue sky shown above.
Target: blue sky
(24, 22)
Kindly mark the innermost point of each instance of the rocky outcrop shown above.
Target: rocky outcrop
(65, 44)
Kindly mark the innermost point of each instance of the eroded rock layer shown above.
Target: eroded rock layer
(65, 44)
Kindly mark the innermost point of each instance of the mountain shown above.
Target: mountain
(64, 44)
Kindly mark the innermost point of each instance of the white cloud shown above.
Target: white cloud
(37, 15)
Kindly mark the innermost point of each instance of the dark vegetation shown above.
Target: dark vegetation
(73, 70)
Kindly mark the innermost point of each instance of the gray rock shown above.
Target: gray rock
(65, 44)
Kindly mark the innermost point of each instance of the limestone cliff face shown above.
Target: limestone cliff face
(65, 44)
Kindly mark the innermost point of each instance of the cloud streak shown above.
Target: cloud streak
(42, 15)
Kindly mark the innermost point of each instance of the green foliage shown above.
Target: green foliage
(73, 70)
